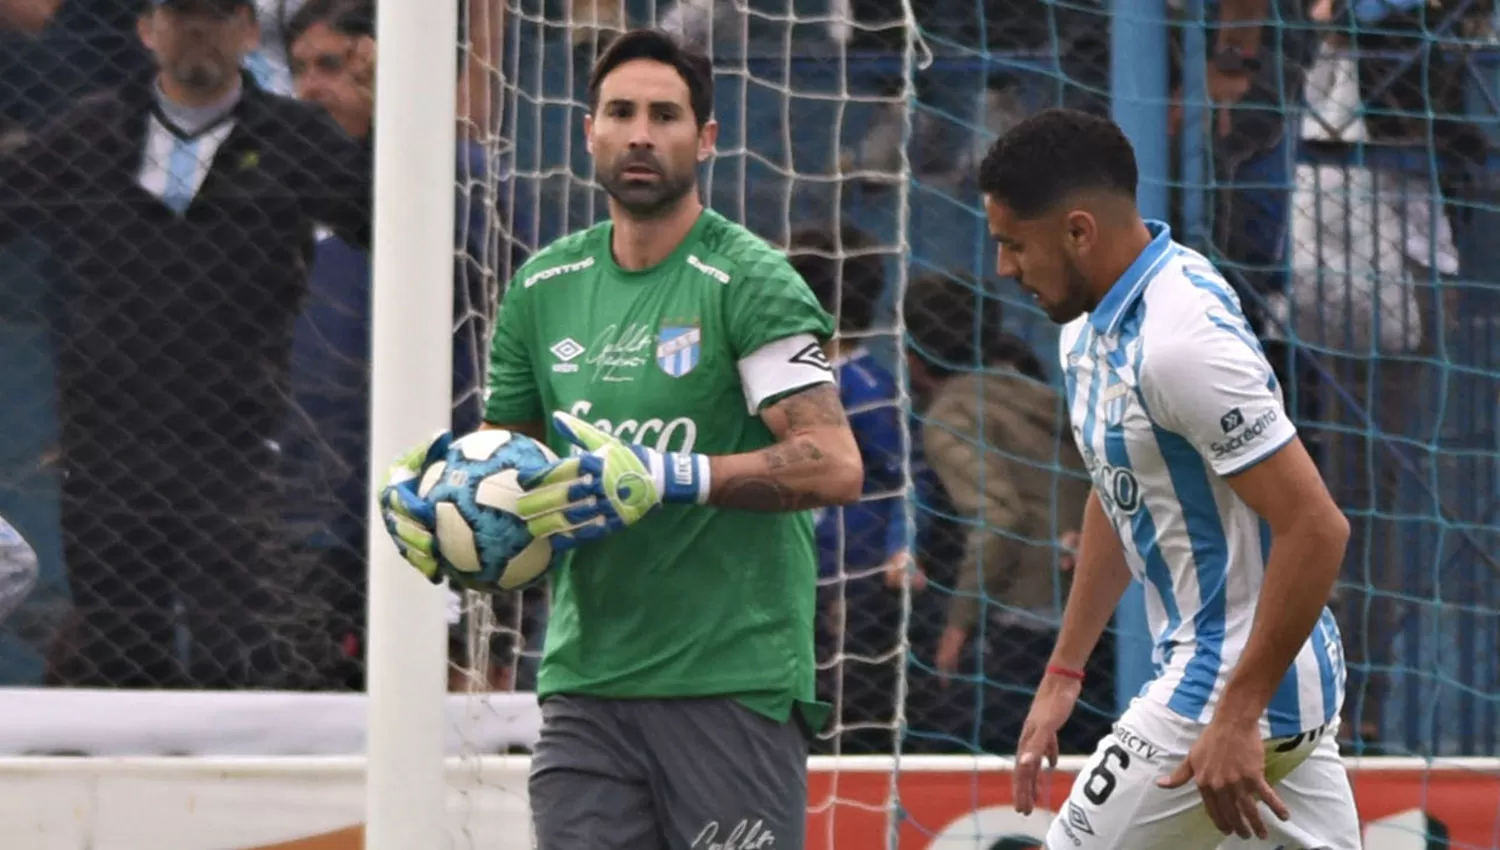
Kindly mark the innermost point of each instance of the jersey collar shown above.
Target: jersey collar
(1127, 290)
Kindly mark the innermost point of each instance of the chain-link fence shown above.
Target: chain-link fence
(185, 279)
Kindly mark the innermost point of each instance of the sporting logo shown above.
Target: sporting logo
(678, 349)
(566, 350)
(557, 271)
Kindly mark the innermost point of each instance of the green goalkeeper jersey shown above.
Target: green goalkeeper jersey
(692, 600)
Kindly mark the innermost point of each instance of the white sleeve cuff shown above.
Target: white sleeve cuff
(790, 363)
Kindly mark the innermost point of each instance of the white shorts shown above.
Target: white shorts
(1115, 803)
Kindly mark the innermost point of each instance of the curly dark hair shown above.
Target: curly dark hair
(1054, 153)
(825, 258)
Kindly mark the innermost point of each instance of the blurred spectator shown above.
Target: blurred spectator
(1374, 260)
(18, 569)
(79, 47)
(181, 204)
(21, 24)
(328, 446)
(862, 548)
(27, 16)
(845, 270)
(478, 40)
(995, 433)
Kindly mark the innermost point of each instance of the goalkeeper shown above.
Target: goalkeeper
(678, 359)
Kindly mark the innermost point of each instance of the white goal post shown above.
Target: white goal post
(410, 398)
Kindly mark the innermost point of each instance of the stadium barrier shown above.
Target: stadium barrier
(318, 803)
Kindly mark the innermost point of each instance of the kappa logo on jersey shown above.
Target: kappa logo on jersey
(678, 349)
(566, 350)
(814, 356)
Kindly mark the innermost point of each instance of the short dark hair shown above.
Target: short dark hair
(355, 18)
(951, 322)
(692, 64)
(1054, 153)
(843, 270)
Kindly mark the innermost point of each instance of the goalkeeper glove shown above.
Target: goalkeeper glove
(410, 519)
(610, 486)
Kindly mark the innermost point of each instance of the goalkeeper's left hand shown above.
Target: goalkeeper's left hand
(612, 485)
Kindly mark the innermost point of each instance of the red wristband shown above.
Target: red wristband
(1065, 672)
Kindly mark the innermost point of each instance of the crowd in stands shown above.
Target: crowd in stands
(184, 339)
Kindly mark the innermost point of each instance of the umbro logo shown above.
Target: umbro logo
(1078, 820)
(812, 355)
(566, 350)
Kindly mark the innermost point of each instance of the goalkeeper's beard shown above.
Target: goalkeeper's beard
(647, 199)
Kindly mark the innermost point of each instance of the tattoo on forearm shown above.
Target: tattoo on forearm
(799, 458)
(766, 492)
(815, 407)
(763, 494)
(783, 455)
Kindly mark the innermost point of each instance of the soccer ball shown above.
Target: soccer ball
(482, 543)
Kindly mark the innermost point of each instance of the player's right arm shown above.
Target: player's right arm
(1209, 384)
(1100, 578)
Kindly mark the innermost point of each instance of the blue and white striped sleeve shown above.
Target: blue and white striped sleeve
(1209, 383)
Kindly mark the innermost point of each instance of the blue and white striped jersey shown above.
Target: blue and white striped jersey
(1169, 393)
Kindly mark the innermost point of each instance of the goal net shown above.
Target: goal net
(1348, 195)
(1345, 230)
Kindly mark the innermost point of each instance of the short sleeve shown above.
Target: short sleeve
(1212, 386)
(768, 301)
(512, 396)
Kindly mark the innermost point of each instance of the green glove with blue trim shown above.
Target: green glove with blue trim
(609, 486)
(410, 519)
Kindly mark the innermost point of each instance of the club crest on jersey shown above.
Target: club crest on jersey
(678, 348)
